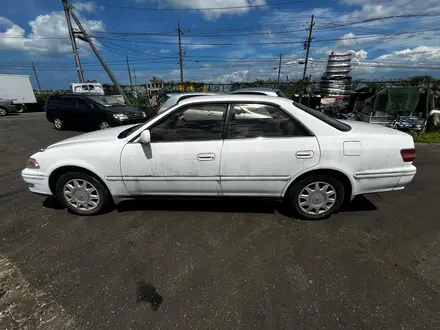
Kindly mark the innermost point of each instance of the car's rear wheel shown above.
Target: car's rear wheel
(104, 125)
(83, 194)
(3, 112)
(316, 197)
(58, 124)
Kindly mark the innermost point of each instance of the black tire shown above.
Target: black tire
(3, 112)
(104, 123)
(22, 109)
(105, 199)
(58, 124)
(293, 196)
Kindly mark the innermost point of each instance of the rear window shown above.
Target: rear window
(281, 94)
(323, 117)
(187, 97)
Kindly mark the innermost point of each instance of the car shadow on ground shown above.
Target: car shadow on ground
(229, 205)
(225, 205)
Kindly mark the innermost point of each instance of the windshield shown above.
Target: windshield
(128, 131)
(107, 101)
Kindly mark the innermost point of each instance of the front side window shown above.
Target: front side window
(191, 123)
(261, 120)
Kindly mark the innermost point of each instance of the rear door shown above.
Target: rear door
(264, 148)
(67, 108)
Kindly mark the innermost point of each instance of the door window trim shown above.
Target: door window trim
(308, 132)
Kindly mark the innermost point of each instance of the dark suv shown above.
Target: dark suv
(90, 111)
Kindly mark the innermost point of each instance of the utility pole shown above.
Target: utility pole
(279, 68)
(73, 41)
(307, 44)
(104, 65)
(129, 72)
(36, 77)
(134, 74)
(180, 32)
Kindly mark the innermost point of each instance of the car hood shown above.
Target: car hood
(359, 127)
(102, 135)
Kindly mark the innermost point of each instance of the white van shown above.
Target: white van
(87, 87)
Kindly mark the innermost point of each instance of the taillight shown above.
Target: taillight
(158, 108)
(408, 155)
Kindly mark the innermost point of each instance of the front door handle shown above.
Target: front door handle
(304, 154)
(206, 157)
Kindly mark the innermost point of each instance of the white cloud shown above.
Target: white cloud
(164, 51)
(375, 8)
(49, 34)
(211, 14)
(420, 54)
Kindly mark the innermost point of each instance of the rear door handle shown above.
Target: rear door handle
(206, 157)
(304, 154)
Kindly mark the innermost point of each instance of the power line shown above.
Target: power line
(372, 36)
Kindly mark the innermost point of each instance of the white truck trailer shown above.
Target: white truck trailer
(18, 89)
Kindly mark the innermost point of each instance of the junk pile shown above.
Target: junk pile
(336, 83)
(395, 105)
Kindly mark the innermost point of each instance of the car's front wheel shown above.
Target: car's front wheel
(83, 194)
(316, 197)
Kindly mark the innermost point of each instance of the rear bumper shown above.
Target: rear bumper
(368, 182)
(37, 183)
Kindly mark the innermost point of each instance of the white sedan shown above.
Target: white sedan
(285, 151)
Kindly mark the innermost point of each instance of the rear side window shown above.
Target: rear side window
(262, 120)
(53, 99)
(323, 117)
(68, 100)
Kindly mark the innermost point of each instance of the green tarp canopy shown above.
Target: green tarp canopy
(400, 102)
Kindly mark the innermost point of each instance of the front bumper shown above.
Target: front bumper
(37, 182)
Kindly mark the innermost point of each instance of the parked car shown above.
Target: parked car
(174, 98)
(7, 106)
(90, 111)
(260, 91)
(291, 152)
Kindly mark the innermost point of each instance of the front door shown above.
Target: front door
(183, 157)
(264, 148)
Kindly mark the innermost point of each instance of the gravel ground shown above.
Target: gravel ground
(210, 265)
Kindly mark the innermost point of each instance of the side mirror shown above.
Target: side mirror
(90, 105)
(145, 137)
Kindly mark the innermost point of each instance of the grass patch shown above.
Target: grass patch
(431, 137)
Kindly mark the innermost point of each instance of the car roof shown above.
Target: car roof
(193, 93)
(255, 89)
(246, 98)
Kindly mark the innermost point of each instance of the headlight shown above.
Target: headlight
(120, 116)
(144, 114)
(32, 163)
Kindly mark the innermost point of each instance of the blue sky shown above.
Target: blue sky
(220, 45)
